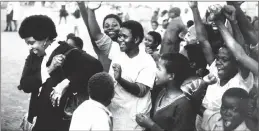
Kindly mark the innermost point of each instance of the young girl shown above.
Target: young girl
(172, 111)
(152, 41)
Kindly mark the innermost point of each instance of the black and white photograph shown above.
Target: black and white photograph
(129, 66)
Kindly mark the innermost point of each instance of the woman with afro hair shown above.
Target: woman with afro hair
(48, 68)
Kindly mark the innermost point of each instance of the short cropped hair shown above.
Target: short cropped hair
(178, 64)
(78, 42)
(176, 11)
(101, 87)
(157, 39)
(70, 35)
(190, 23)
(39, 27)
(136, 29)
(112, 16)
(240, 94)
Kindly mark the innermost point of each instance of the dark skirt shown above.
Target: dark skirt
(48, 117)
(9, 17)
(63, 13)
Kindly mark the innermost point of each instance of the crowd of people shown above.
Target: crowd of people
(195, 76)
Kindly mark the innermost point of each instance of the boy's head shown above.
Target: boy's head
(38, 31)
(172, 67)
(234, 107)
(76, 42)
(70, 35)
(174, 12)
(154, 25)
(101, 88)
(130, 36)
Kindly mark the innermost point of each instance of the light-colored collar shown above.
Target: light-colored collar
(99, 105)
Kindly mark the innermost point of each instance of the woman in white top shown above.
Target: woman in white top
(133, 71)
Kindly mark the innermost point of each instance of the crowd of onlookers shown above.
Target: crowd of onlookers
(196, 76)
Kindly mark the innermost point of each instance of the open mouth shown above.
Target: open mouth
(111, 33)
(219, 68)
(122, 46)
(227, 123)
(35, 51)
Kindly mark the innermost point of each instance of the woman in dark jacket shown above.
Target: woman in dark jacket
(77, 66)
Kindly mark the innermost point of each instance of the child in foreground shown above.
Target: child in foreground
(92, 114)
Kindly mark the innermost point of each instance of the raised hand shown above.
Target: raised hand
(210, 79)
(215, 12)
(57, 61)
(149, 50)
(117, 71)
(94, 5)
(230, 12)
(193, 4)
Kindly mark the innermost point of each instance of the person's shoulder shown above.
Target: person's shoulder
(82, 108)
(146, 58)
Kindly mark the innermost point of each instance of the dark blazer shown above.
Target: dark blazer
(30, 81)
(78, 67)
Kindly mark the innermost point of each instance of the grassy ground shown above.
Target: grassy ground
(15, 103)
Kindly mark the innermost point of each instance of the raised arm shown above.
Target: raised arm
(201, 33)
(245, 26)
(235, 48)
(230, 13)
(238, 51)
(101, 43)
(90, 21)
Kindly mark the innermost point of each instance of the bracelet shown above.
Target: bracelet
(255, 46)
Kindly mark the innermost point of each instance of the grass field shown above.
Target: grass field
(14, 103)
